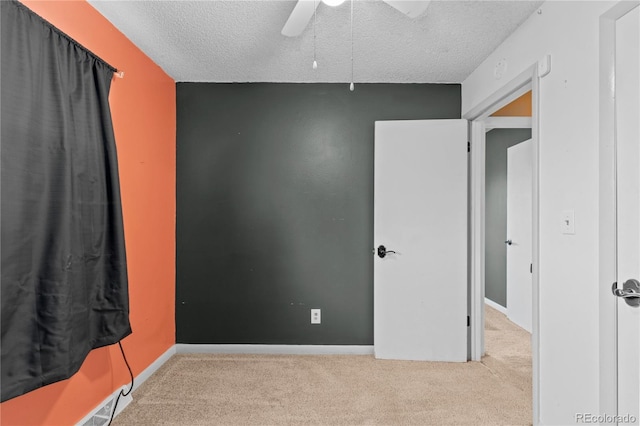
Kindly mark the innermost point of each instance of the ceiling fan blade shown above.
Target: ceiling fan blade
(299, 18)
(411, 8)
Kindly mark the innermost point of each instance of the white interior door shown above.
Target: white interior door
(420, 215)
(628, 207)
(519, 234)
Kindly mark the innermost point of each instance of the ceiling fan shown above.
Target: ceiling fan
(304, 9)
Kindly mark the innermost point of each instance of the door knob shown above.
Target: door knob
(382, 251)
(630, 292)
(508, 242)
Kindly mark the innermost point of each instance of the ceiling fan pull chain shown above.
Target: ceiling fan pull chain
(315, 6)
(351, 86)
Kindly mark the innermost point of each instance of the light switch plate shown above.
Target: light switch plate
(568, 222)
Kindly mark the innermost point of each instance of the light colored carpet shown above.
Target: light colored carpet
(340, 390)
(508, 351)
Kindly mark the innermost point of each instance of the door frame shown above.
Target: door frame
(608, 310)
(529, 79)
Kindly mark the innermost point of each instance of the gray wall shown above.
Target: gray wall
(275, 207)
(498, 140)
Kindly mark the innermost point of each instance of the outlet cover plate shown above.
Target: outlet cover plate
(315, 316)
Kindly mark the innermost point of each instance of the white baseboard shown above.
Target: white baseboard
(124, 400)
(495, 306)
(183, 348)
(102, 412)
(155, 365)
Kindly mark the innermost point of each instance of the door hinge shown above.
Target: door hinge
(468, 146)
(468, 321)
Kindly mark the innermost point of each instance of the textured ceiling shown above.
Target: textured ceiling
(240, 41)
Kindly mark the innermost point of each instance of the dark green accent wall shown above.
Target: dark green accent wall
(497, 143)
(275, 207)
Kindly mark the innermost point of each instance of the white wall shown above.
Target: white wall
(569, 333)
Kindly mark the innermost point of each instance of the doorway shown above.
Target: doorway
(508, 304)
(508, 211)
(526, 81)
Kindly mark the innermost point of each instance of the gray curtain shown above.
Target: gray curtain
(64, 279)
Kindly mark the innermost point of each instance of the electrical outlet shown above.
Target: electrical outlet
(315, 316)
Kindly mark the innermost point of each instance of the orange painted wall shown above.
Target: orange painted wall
(521, 107)
(144, 119)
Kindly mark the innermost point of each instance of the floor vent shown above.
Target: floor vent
(102, 414)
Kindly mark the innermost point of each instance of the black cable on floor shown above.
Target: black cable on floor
(122, 393)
